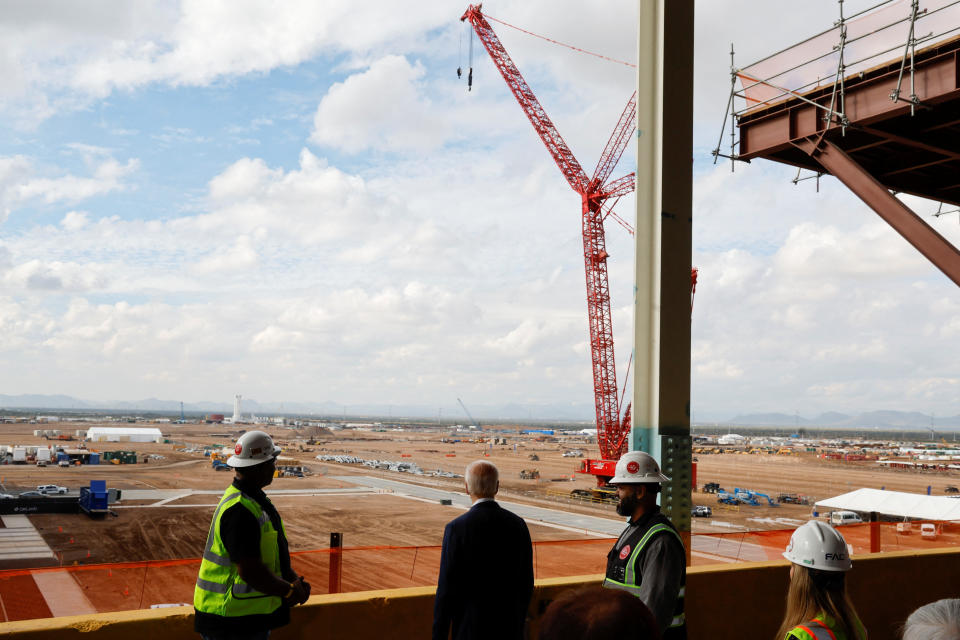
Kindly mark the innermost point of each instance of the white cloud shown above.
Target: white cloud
(74, 220)
(22, 182)
(382, 108)
(55, 57)
(457, 269)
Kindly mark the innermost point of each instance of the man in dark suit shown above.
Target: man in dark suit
(486, 567)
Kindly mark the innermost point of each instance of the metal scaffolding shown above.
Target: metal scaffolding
(873, 101)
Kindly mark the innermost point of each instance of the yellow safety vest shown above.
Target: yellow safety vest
(220, 590)
(823, 627)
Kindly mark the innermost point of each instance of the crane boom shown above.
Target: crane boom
(611, 431)
(562, 155)
(473, 423)
(617, 143)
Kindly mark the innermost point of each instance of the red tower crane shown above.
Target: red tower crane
(595, 193)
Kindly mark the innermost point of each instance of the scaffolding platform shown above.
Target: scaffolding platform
(910, 148)
(874, 101)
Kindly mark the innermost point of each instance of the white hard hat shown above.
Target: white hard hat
(817, 545)
(637, 467)
(252, 448)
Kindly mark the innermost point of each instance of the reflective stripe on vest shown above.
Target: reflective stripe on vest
(816, 629)
(219, 589)
(629, 583)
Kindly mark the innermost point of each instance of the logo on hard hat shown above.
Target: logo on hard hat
(633, 466)
(624, 552)
(237, 449)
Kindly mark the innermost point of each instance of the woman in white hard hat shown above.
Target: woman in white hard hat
(818, 606)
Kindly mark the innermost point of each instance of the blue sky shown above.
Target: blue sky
(301, 202)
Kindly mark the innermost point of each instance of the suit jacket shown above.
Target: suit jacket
(486, 576)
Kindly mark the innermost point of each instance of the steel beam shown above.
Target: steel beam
(914, 230)
(911, 142)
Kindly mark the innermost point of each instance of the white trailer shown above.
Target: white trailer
(19, 455)
(43, 454)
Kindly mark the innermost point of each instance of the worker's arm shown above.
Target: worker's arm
(662, 570)
(256, 574)
(240, 533)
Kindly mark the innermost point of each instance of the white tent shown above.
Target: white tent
(123, 434)
(896, 503)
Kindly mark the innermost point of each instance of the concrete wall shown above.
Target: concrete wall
(740, 601)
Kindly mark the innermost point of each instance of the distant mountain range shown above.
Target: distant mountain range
(568, 413)
(832, 419)
(40, 403)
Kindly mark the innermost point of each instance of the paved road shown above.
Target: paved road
(605, 527)
(168, 494)
(708, 546)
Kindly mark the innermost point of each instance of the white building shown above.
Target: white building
(731, 438)
(123, 434)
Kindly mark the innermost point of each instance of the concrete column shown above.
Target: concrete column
(664, 223)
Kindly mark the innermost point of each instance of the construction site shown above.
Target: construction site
(126, 526)
(143, 549)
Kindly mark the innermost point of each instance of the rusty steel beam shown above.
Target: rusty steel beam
(764, 132)
(911, 142)
(914, 167)
(914, 230)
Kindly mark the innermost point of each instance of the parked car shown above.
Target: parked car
(51, 489)
(7, 496)
(31, 494)
(844, 517)
(905, 527)
(928, 530)
(702, 511)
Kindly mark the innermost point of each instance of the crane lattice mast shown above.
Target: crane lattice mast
(594, 193)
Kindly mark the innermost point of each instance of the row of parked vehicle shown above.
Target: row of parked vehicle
(40, 491)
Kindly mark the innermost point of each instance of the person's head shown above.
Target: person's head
(819, 560)
(938, 620)
(254, 458)
(595, 613)
(637, 479)
(482, 479)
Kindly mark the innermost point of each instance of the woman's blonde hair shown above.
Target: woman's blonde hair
(812, 592)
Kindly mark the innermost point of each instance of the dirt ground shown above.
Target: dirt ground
(149, 553)
(178, 529)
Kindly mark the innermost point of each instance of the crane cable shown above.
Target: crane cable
(562, 44)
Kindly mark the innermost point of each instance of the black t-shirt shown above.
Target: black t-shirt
(240, 534)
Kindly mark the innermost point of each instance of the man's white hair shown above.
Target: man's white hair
(938, 620)
(482, 479)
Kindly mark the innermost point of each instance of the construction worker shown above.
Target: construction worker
(246, 586)
(648, 559)
(817, 603)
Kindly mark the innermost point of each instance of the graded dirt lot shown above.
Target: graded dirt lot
(148, 554)
(178, 527)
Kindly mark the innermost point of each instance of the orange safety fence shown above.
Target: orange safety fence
(753, 546)
(89, 588)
